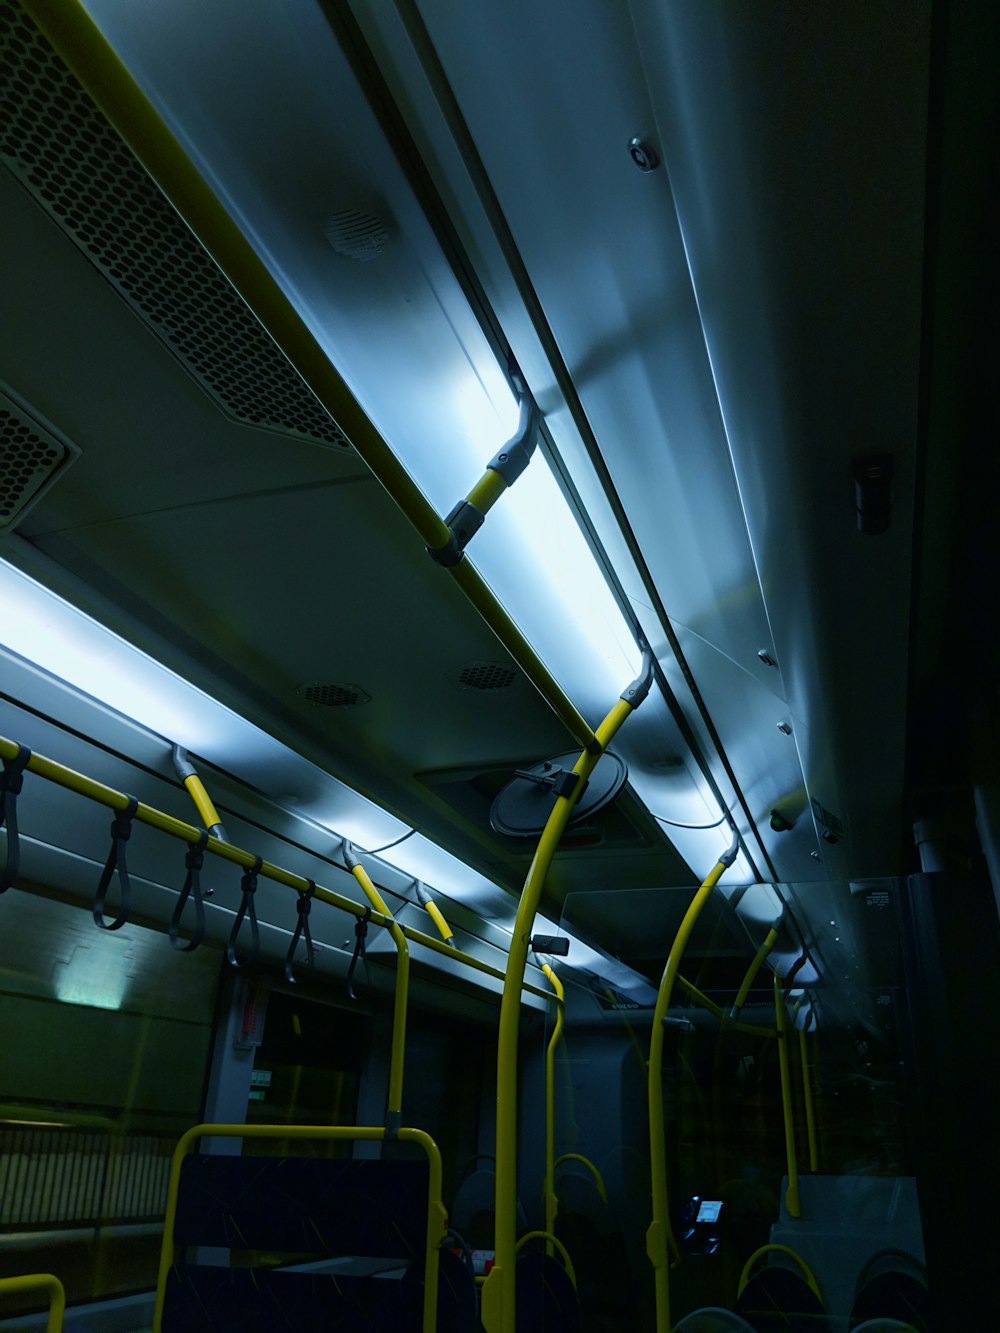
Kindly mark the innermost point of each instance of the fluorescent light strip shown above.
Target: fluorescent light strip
(48, 631)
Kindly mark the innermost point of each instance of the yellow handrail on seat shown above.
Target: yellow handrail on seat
(554, 1241)
(437, 1216)
(594, 1170)
(782, 1249)
(26, 1284)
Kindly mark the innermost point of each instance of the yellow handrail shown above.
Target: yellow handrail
(397, 1050)
(198, 792)
(787, 1111)
(437, 1216)
(699, 997)
(434, 912)
(770, 940)
(549, 1184)
(62, 776)
(659, 1235)
(781, 1249)
(80, 43)
(499, 1288)
(749, 1029)
(437, 916)
(487, 490)
(551, 1242)
(807, 1097)
(591, 1167)
(25, 1284)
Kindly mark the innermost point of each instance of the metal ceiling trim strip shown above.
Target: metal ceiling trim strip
(80, 43)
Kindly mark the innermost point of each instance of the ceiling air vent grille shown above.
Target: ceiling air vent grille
(356, 235)
(61, 148)
(486, 676)
(333, 694)
(31, 458)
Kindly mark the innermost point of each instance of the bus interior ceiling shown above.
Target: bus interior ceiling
(279, 283)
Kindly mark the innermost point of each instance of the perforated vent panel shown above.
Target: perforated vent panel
(356, 235)
(334, 694)
(31, 457)
(63, 150)
(486, 676)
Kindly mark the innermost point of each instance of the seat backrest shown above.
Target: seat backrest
(304, 1205)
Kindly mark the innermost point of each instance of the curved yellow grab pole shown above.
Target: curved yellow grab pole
(397, 1055)
(549, 1184)
(659, 1236)
(434, 912)
(198, 792)
(25, 1284)
(770, 940)
(792, 1193)
(498, 1289)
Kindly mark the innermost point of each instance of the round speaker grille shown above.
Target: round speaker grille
(522, 808)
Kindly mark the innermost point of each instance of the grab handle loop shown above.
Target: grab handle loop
(247, 908)
(194, 860)
(302, 931)
(121, 831)
(11, 781)
(360, 951)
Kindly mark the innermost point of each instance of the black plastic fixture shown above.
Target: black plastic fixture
(873, 493)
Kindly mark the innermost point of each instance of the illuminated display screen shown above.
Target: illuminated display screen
(709, 1210)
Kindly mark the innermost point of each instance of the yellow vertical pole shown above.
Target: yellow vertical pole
(792, 1192)
(807, 1097)
(549, 1186)
(658, 1236)
(499, 1290)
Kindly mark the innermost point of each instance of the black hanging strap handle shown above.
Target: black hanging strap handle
(11, 781)
(302, 931)
(194, 860)
(247, 909)
(360, 951)
(121, 831)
